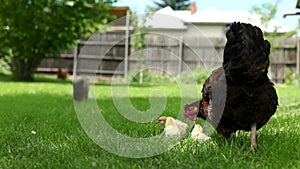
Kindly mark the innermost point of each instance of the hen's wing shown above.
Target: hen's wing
(213, 92)
(213, 97)
(181, 126)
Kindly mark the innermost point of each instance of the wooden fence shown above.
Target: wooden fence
(103, 55)
(284, 58)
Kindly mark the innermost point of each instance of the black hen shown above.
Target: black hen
(238, 95)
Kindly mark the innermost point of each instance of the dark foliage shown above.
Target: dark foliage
(35, 29)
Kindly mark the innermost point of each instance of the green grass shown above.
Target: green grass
(46, 106)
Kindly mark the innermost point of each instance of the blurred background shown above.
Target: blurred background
(45, 37)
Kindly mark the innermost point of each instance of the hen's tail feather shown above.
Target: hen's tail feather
(246, 54)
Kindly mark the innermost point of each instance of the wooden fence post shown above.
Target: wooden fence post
(180, 54)
(126, 44)
(298, 57)
(76, 52)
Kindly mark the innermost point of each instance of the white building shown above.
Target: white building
(211, 22)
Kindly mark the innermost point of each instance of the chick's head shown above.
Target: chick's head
(162, 120)
(169, 121)
(198, 128)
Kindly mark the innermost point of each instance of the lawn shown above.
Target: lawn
(46, 108)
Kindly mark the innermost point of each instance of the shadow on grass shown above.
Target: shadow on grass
(5, 77)
(144, 85)
(45, 79)
(37, 78)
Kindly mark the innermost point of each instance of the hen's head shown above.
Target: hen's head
(190, 111)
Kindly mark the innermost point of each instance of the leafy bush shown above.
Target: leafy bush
(156, 78)
(199, 76)
(186, 77)
(288, 77)
(149, 77)
(4, 68)
(292, 78)
(296, 80)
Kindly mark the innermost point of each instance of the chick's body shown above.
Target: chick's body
(197, 133)
(180, 125)
(171, 130)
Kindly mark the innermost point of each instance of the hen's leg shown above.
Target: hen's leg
(253, 136)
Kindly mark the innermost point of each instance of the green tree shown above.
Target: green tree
(31, 30)
(174, 4)
(266, 13)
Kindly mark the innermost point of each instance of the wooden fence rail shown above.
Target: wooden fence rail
(105, 57)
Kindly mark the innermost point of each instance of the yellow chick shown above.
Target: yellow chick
(171, 130)
(197, 133)
(181, 125)
(162, 120)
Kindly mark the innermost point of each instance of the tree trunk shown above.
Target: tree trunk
(23, 68)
